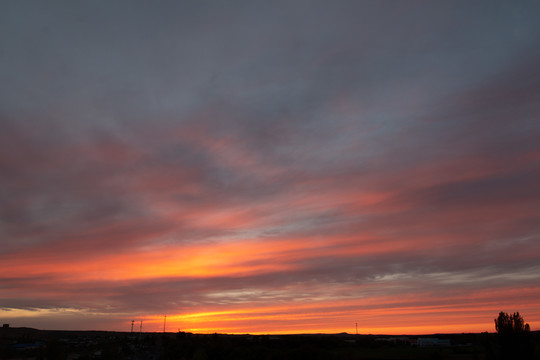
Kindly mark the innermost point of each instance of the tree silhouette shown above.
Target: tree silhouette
(514, 336)
(510, 324)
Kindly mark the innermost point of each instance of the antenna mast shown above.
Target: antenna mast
(164, 322)
(132, 321)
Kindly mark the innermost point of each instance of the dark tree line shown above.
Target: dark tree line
(514, 337)
(510, 324)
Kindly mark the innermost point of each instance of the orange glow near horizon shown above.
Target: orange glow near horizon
(379, 315)
(311, 319)
(332, 309)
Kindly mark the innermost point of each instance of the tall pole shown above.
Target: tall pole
(140, 329)
(164, 322)
(132, 321)
(356, 328)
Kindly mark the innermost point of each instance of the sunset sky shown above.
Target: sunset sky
(269, 166)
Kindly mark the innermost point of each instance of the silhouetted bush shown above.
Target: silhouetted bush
(514, 337)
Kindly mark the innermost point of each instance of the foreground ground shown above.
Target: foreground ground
(26, 343)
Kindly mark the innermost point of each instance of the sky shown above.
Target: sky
(269, 166)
